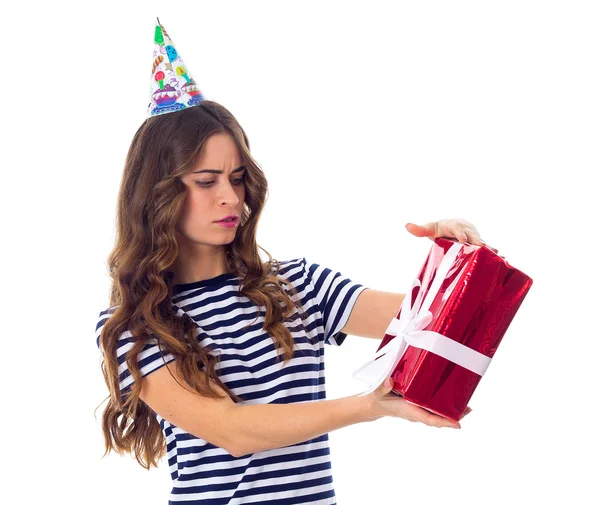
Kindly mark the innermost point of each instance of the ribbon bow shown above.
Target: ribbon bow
(409, 330)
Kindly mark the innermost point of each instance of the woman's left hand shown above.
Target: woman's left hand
(449, 228)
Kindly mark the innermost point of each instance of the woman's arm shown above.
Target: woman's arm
(244, 429)
(372, 313)
(262, 427)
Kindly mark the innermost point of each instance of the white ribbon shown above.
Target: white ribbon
(409, 331)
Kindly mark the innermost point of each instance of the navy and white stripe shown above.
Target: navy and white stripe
(203, 473)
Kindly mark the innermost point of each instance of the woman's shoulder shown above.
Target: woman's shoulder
(104, 315)
(288, 267)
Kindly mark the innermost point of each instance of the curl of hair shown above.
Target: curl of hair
(150, 199)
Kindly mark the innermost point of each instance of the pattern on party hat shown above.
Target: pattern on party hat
(172, 87)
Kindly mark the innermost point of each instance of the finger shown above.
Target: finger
(466, 232)
(467, 411)
(427, 230)
(458, 230)
(424, 416)
(449, 228)
(439, 421)
(473, 236)
(385, 387)
(462, 230)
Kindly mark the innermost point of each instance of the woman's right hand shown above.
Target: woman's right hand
(383, 403)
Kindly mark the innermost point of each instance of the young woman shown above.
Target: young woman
(212, 355)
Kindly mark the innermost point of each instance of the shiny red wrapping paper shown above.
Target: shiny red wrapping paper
(474, 306)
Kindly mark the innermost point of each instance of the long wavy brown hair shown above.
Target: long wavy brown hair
(151, 196)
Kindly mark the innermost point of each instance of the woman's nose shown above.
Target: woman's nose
(228, 195)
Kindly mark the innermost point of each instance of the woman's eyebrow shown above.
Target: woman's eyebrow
(211, 171)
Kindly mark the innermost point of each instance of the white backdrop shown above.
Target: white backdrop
(364, 116)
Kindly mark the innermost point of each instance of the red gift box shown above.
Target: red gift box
(475, 303)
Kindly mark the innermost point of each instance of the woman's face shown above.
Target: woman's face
(212, 196)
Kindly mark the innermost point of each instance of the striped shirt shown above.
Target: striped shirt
(205, 474)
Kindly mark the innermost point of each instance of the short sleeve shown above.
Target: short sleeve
(149, 358)
(336, 295)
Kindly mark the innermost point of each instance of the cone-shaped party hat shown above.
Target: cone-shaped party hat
(172, 87)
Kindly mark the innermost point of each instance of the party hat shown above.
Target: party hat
(172, 87)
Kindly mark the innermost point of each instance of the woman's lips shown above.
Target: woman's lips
(229, 223)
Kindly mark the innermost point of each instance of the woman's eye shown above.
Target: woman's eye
(209, 183)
